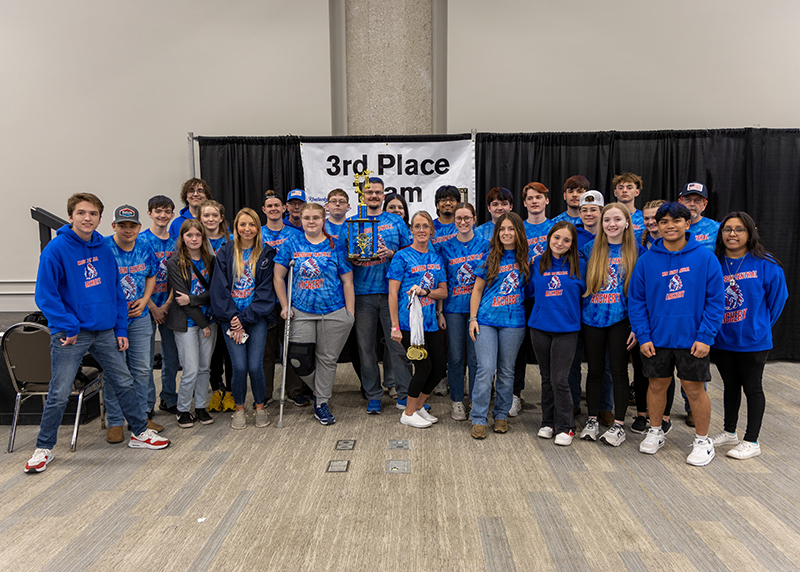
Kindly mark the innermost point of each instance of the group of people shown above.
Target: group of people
(663, 287)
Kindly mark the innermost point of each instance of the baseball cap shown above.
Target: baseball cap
(296, 194)
(126, 213)
(694, 189)
(592, 198)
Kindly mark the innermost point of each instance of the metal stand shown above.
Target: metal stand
(286, 345)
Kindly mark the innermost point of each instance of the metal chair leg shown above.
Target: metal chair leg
(74, 443)
(103, 423)
(14, 424)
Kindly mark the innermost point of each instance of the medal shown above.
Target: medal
(416, 353)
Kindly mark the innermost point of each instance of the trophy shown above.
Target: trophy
(362, 232)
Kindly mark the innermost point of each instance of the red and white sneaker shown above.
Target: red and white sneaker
(148, 439)
(38, 461)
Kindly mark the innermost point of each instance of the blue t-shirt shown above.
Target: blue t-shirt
(244, 287)
(316, 286)
(537, 236)
(485, 231)
(134, 268)
(334, 229)
(275, 238)
(461, 260)
(410, 267)
(198, 289)
(557, 296)
(705, 232)
(564, 216)
(393, 233)
(163, 248)
(216, 243)
(637, 221)
(610, 305)
(444, 233)
(501, 303)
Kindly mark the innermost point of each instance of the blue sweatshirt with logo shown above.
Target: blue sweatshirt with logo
(674, 298)
(77, 286)
(556, 295)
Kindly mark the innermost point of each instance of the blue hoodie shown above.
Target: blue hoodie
(755, 293)
(184, 215)
(674, 298)
(557, 296)
(77, 286)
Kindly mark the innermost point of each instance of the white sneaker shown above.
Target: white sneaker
(564, 439)
(545, 433)
(441, 388)
(414, 420)
(39, 460)
(516, 407)
(148, 439)
(702, 452)
(724, 438)
(591, 430)
(615, 436)
(745, 450)
(427, 416)
(653, 441)
(457, 411)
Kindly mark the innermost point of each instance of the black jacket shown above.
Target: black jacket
(177, 315)
(263, 304)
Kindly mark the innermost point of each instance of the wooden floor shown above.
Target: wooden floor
(261, 499)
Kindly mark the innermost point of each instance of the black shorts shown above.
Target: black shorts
(666, 360)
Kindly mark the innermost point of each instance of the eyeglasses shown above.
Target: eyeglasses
(339, 202)
(692, 199)
(310, 218)
(421, 227)
(196, 192)
(373, 193)
(448, 200)
(737, 230)
(464, 218)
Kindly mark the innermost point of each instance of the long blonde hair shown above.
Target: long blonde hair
(597, 270)
(184, 258)
(258, 246)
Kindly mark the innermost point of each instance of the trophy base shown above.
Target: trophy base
(359, 258)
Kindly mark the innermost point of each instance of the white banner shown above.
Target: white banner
(414, 170)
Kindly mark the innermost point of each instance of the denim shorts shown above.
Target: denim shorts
(667, 360)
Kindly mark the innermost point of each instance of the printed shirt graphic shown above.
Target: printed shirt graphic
(410, 267)
(133, 267)
(244, 286)
(197, 289)
(163, 249)
(316, 286)
(461, 260)
(275, 238)
(444, 233)
(537, 237)
(637, 221)
(705, 232)
(557, 296)
(610, 305)
(501, 304)
(564, 216)
(393, 233)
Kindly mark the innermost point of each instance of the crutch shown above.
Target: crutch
(286, 345)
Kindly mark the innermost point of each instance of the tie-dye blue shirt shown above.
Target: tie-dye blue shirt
(564, 216)
(461, 260)
(197, 289)
(485, 231)
(501, 303)
(275, 238)
(705, 232)
(244, 287)
(316, 286)
(444, 233)
(637, 221)
(216, 243)
(537, 236)
(335, 230)
(610, 305)
(410, 267)
(163, 248)
(134, 268)
(393, 233)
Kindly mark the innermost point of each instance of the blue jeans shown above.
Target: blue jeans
(369, 307)
(574, 378)
(169, 367)
(137, 356)
(248, 358)
(457, 337)
(65, 361)
(195, 353)
(497, 348)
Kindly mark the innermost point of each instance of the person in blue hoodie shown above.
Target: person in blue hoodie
(78, 290)
(676, 306)
(755, 293)
(193, 193)
(557, 283)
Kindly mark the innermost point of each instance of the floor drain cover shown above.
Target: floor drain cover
(338, 466)
(399, 444)
(398, 466)
(345, 444)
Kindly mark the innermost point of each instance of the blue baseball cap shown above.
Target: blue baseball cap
(299, 194)
(694, 189)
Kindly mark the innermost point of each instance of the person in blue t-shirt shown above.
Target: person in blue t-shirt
(243, 301)
(160, 209)
(694, 196)
(605, 317)
(574, 187)
(372, 302)
(193, 193)
(755, 294)
(137, 267)
(461, 257)
(627, 187)
(497, 321)
(676, 306)
(447, 197)
(499, 201)
(417, 271)
(322, 304)
(337, 204)
(558, 280)
(191, 321)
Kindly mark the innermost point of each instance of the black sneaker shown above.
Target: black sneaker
(185, 419)
(666, 426)
(169, 409)
(203, 416)
(300, 400)
(151, 414)
(639, 424)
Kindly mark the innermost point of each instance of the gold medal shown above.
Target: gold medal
(415, 353)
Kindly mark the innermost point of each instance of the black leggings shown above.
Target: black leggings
(428, 372)
(596, 339)
(642, 383)
(742, 371)
(218, 358)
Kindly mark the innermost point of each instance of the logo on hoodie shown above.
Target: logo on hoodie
(675, 287)
(89, 272)
(733, 296)
(554, 283)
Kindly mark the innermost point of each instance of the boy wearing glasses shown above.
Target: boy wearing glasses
(694, 196)
(446, 199)
(193, 193)
(337, 205)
